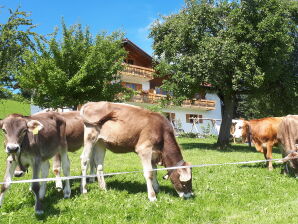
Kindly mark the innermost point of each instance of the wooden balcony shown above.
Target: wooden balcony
(152, 98)
(199, 104)
(138, 71)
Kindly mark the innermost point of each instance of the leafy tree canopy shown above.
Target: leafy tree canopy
(75, 69)
(235, 46)
(16, 37)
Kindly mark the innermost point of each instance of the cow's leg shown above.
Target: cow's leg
(10, 168)
(66, 172)
(154, 180)
(259, 147)
(45, 166)
(269, 155)
(145, 153)
(92, 168)
(57, 170)
(99, 155)
(35, 185)
(85, 159)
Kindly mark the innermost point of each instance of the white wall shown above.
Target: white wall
(145, 85)
(180, 115)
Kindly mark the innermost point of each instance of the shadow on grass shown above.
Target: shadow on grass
(136, 187)
(231, 148)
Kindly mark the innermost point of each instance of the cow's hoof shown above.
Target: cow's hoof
(39, 212)
(270, 168)
(84, 191)
(153, 199)
(67, 194)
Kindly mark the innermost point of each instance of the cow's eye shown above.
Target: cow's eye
(240, 127)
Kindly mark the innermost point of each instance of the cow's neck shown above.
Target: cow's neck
(171, 154)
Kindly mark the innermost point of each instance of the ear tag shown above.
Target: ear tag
(35, 131)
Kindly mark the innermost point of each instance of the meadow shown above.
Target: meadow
(223, 194)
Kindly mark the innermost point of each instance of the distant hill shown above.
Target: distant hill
(10, 106)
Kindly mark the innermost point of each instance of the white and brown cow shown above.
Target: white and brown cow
(32, 141)
(124, 128)
(261, 132)
(287, 136)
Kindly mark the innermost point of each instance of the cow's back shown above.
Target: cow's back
(131, 126)
(265, 129)
(287, 133)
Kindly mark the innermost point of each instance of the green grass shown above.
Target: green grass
(9, 106)
(224, 194)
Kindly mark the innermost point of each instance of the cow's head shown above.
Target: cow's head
(182, 181)
(15, 128)
(242, 130)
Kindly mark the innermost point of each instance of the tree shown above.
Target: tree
(74, 70)
(16, 36)
(237, 47)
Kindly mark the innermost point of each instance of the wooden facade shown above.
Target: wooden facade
(138, 69)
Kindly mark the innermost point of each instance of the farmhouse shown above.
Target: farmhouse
(202, 114)
(138, 75)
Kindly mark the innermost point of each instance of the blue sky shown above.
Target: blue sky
(130, 16)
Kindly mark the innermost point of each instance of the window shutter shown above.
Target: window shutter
(200, 120)
(187, 118)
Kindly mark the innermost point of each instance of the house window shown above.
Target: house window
(159, 90)
(129, 61)
(170, 116)
(190, 118)
(134, 86)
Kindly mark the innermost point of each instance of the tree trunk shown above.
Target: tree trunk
(227, 115)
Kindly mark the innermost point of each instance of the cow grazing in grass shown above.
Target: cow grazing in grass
(261, 132)
(123, 128)
(32, 141)
(287, 136)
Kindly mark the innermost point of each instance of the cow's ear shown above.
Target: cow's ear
(97, 112)
(185, 173)
(34, 126)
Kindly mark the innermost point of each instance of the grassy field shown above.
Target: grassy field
(10, 106)
(224, 194)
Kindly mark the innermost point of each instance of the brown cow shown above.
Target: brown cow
(75, 140)
(124, 128)
(262, 132)
(32, 141)
(287, 136)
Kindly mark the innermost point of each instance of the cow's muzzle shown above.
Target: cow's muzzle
(12, 148)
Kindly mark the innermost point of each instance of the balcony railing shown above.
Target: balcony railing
(201, 103)
(144, 97)
(134, 70)
(152, 98)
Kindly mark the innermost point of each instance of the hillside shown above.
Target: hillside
(11, 106)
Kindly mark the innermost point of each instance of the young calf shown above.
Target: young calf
(123, 128)
(32, 141)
